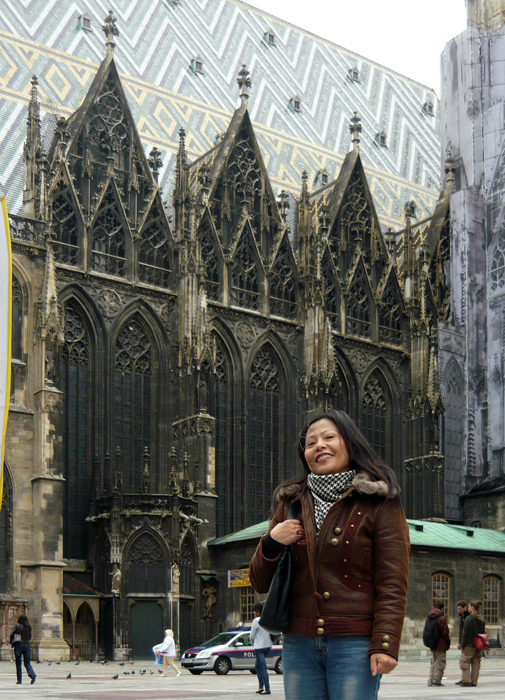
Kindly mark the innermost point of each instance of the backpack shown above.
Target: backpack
(431, 636)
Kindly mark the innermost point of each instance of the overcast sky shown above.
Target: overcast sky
(403, 35)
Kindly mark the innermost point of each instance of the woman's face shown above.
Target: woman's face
(325, 450)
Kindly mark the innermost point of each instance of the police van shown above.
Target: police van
(229, 651)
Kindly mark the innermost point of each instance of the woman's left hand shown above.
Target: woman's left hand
(382, 663)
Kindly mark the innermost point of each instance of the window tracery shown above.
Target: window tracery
(133, 401)
(375, 414)
(357, 307)
(244, 290)
(147, 567)
(209, 257)
(17, 320)
(331, 302)
(498, 266)
(187, 569)
(355, 221)
(75, 382)
(65, 227)
(220, 410)
(264, 431)
(109, 244)
(154, 254)
(282, 287)
(390, 321)
(108, 130)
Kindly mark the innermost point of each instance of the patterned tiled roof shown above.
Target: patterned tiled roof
(158, 41)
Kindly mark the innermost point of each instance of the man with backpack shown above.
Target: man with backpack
(473, 642)
(436, 637)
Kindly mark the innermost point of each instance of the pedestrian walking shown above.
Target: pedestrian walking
(166, 651)
(262, 643)
(436, 632)
(20, 640)
(470, 656)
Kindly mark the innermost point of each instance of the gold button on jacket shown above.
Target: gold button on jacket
(385, 646)
(326, 595)
(334, 541)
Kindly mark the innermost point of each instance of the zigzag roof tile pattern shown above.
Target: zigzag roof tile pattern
(158, 41)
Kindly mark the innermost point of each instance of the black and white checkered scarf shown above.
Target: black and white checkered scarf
(326, 489)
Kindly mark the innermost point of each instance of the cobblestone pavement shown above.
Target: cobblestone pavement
(92, 681)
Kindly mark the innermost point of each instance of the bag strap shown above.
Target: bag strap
(294, 508)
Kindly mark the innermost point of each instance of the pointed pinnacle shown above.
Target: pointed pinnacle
(244, 82)
(355, 129)
(110, 30)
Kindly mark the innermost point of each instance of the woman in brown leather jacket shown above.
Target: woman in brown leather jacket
(350, 549)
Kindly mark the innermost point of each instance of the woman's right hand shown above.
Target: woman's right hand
(287, 532)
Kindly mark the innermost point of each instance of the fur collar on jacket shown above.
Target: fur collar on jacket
(362, 482)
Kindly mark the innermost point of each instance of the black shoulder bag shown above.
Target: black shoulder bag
(276, 614)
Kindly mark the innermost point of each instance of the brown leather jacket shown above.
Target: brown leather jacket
(352, 580)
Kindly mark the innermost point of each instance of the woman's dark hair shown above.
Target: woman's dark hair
(23, 620)
(362, 456)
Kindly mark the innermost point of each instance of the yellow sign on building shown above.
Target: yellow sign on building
(238, 578)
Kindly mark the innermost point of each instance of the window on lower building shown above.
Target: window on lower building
(441, 589)
(246, 603)
(491, 598)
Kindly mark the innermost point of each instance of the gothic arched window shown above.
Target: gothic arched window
(17, 320)
(283, 286)
(454, 400)
(244, 288)
(5, 533)
(132, 401)
(376, 415)
(108, 239)
(147, 566)
(331, 301)
(263, 448)
(498, 266)
(220, 409)
(65, 227)
(357, 310)
(154, 265)
(209, 259)
(76, 383)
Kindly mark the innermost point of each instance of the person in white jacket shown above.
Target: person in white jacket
(166, 651)
(262, 642)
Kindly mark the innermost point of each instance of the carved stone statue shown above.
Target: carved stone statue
(176, 574)
(116, 580)
(209, 591)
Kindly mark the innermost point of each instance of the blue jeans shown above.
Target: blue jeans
(328, 668)
(23, 652)
(261, 667)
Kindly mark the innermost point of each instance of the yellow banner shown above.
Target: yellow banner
(238, 578)
(5, 332)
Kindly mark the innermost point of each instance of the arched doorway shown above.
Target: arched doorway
(146, 628)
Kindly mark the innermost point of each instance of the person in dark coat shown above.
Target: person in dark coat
(463, 613)
(470, 656)
(438, 653)
(350, 555)
(20, 640)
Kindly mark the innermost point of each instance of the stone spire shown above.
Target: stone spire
(155, 162)
(244, 83)
(355, 129)
(110, 30)
(449, 168)
(181, 189)
(32, 152)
